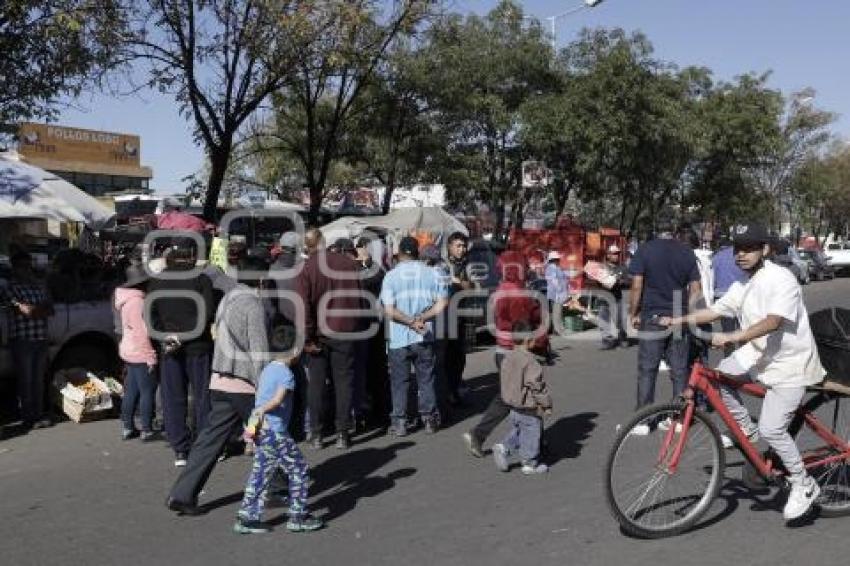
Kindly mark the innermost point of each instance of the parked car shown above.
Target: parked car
(786, 255)
(78, 335)
(819, 266)
(838, 254)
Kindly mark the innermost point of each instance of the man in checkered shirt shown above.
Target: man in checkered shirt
(29, 307)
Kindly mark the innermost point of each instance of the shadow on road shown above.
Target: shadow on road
(346, 496)
(347, 477)
(734, 492)
(350, 477)
(565, 438)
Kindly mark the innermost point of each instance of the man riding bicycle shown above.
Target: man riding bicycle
(774, 346)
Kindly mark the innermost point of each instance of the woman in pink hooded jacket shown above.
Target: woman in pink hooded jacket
(138, 354)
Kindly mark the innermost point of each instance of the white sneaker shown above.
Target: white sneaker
(500, 457)
(640, 430)
(530, 468)
(665, 425)
(803, 495)
(663, 367)
(729, 444)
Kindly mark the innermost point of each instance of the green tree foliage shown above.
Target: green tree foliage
(804, 132)
(221, 59)
(481, 71)
(313, 110)
(50, 49)
(368, 92)
(619, 128)
(822, 187)
(738, 125)
(393, 136)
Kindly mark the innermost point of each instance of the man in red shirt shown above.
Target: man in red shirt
(328, 342)
(512, 302)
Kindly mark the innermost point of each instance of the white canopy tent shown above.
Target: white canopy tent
(30, 192)
(397, 224)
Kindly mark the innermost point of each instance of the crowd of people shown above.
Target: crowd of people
(322, 340)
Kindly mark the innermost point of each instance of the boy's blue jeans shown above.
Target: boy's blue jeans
(524, 436)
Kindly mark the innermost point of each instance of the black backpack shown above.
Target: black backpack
(831, 329)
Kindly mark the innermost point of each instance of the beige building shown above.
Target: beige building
(97, 162)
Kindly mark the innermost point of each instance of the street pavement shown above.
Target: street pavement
(77, 494)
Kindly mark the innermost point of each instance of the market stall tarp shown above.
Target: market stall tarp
(406, 221)
(30, 192)
(178, 220)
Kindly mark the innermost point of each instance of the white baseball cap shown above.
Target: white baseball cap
(553, 255)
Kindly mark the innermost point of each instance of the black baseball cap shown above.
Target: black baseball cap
(409, 246)
(750, 234)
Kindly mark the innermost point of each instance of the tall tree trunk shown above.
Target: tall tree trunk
(388, 192)
(638, 210)
(219, 159)
(623, 208)
(562, 195)
(315, 204)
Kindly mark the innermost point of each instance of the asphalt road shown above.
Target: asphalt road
(77, 494)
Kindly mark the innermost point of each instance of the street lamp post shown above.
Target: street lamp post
(552, 19)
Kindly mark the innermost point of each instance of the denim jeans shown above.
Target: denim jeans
(30, 359)
(139, 388)
(673, 349)
(524, 436)
(422, 357)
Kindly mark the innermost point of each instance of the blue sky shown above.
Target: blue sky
(803, 42)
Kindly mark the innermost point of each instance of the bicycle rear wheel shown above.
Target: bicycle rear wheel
(833, 411)
(644, 495)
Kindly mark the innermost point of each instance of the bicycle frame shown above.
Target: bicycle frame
(707, 381)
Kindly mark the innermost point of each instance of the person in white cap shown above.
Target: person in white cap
(611, 312)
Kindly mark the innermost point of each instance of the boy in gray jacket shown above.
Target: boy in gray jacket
(525, 391)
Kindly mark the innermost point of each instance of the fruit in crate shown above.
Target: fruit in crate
(90, 389)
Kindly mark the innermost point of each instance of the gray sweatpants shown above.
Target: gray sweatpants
(777, 410)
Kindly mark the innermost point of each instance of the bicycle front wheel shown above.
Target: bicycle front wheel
(833, 411)
(648, 496)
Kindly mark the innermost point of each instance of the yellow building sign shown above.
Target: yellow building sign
(60, 143)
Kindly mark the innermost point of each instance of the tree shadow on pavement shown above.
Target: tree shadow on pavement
(350, 477)
(565, 438)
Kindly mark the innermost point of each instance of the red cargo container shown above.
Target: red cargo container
(575, 244)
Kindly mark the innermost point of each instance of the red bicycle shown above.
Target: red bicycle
(661, 484)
